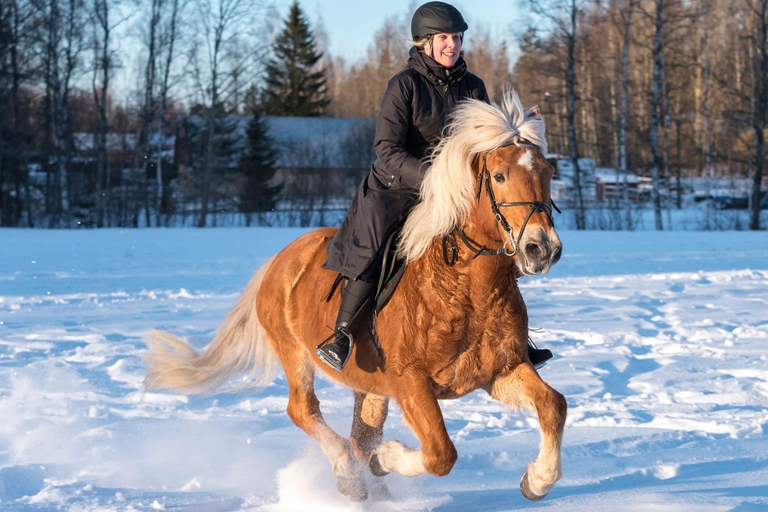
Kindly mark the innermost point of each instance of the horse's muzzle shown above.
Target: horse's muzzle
(539, 250)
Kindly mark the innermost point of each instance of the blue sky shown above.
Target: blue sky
(351, 23)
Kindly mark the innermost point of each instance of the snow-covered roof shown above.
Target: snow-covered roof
(115, 141)
(611, 176)
(120, 141)
(311, 142)
(323, 141)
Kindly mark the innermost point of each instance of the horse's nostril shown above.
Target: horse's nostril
(556, 256)
(534, 251)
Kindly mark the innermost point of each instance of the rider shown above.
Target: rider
(413, 113)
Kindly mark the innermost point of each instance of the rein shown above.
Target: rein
(511, 245)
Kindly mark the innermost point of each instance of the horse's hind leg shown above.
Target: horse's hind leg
(304, 411)
(524, 388)
(367, 432)
(368, 423)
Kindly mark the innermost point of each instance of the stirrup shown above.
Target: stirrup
(542, 355)
(327, 357)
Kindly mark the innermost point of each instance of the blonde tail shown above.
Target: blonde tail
(241, 345)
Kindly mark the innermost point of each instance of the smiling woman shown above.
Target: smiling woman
(416, 106)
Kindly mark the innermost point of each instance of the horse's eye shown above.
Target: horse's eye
(499, 177)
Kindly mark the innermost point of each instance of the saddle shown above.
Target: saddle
(392, 269)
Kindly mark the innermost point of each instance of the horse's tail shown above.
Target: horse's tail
(241, 345)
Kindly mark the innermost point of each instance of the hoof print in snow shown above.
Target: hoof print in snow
(353, 488)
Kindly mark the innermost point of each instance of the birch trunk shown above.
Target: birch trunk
(654, 113)
(149, 99)
(570, 84)
(623, 114)
(103, 65)
(759, 120)
(665, 134)
(164, 87)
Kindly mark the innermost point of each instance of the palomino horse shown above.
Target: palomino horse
(448, 329)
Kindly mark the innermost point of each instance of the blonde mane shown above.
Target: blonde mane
(449, 186)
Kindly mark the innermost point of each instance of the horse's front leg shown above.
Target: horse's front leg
(523, 387)
(422, 412)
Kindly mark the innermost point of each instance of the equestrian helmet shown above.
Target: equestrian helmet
(436, 18)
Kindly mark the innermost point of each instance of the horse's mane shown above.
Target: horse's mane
(449, 185)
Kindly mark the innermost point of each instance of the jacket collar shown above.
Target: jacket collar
(434, 71)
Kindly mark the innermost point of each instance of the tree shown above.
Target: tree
(295, 84)
(216, 63)
(759, 11)
(564, 16)
(104, 63)
(656, 91)
(623, 113)
(258, 167)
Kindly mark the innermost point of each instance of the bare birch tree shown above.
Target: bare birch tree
(168, 36)
(623, 112)
(759, 11)
(564, 16)
(66, 25)
(102, 26)
(656, 86)
(150, 85)
(217, 26)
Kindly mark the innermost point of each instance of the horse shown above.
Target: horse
(456, 322)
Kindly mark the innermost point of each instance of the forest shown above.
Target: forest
(142, 113)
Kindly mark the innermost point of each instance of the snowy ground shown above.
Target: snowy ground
(661, 343)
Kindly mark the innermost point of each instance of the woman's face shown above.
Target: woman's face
(446, 48)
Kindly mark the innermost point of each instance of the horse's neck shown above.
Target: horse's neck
(478, 278)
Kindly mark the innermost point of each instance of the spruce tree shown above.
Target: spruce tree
(294, 84)
(258, 166)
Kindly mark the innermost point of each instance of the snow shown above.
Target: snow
(660, 343)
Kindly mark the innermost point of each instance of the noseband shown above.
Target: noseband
(511, 245)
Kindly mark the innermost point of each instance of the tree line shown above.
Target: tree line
(663, 88)
(660, 87)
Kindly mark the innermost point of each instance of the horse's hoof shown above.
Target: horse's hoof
(526, 489)
(374, 464)
(353, 488)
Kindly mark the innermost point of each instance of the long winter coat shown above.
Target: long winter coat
(411, 119)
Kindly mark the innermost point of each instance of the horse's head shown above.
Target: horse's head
(515, 180)
(489, 175)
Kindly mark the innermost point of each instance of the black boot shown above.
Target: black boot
(353, 298)
(538, 356)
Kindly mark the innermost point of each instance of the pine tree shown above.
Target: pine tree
(295, 85)
(258, 166)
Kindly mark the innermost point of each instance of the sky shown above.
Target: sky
(350, 24)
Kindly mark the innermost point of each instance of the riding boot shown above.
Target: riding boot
(353, 298)
(538, 356)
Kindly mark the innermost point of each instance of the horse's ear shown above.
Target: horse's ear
(476, 163)
(533, 113)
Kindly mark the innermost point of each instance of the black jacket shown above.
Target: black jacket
(411, 119)
(413, 114)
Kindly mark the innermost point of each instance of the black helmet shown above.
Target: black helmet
(436, 18)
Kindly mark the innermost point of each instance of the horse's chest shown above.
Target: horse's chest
(472, 369)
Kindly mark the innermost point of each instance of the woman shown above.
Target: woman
(411, 119)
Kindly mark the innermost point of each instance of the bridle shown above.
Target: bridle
(511, 245)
